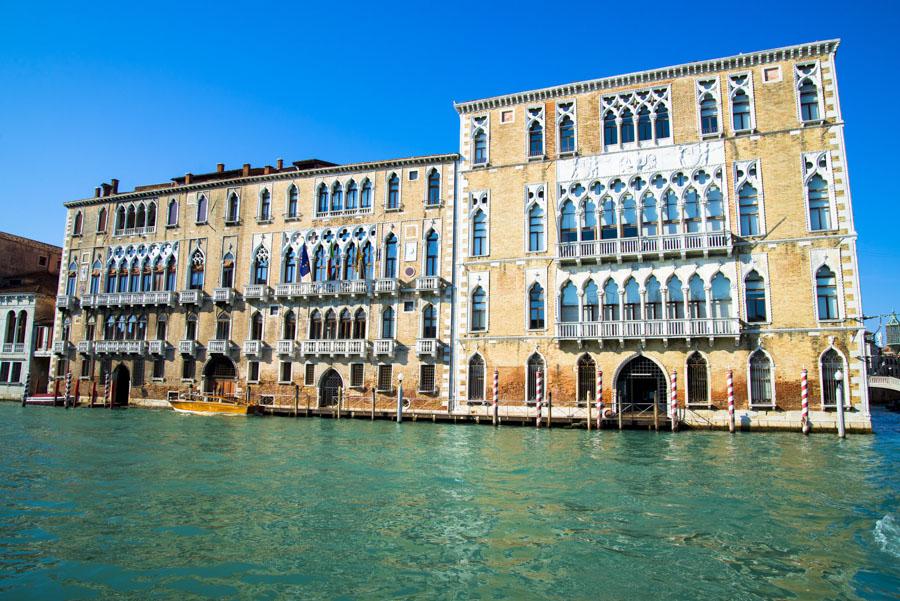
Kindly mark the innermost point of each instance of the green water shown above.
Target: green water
(156, 505)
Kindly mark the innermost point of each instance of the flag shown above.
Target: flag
(332, 268)
(360, 264)
(304, 262)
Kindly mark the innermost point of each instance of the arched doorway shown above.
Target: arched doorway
(639, 384)
(220, 376)
(121, 382)
(587, 380)
(329, 388)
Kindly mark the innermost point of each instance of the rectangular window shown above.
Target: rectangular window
(86, 368)
(285, 372)
(356, 375)
(15, 375)
(309, 377)
(187, 368)
(507, 116)
(385, 377)
(4, 371)
(409, 306)
(426, 378)
(253, 371)
(137, 372)
(159, 369)
(413, 175)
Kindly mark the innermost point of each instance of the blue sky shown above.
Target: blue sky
(148, 91)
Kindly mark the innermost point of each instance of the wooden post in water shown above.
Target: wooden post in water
(619, 412)
(373, 403)
(27, 388)
(549, 410)
(296, 399)
(340, 401)
(655, 412)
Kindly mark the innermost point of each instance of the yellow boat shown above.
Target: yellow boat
(213, 405)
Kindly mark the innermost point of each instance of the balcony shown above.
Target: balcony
(12, 347)
(190, 297)
(258, 292)
(43, 351)
(385, 346)
(122, 299)
(157, 347)
(387, 286)
(187, 347)
(86, 347)
(320, 289)
(223, 296)
(253, 348)
(348, 348)
(61, 347)
(120, 347)
(285, 347)
(345, 212)
(219, 347)
(66, 302)
(427, 346)
(429, 284)
(135, 231)
(701, 243)
(655, 329)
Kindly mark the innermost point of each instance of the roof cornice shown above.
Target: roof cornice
(650, 76)
(284, 175)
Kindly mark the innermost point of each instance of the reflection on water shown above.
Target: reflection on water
(142, 504)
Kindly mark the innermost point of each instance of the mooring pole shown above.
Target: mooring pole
(549, 410)
(296, 399)
(804, 403)
(539, 386)
(373, 404)
(656, 411)
(340, 401)
(674, 400)
(68, 389)
(599, 398)
(839, 393)
(731, 401)
(399, 398)
(496, 408)
(26, 389)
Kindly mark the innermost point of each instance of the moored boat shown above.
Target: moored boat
(213, 405)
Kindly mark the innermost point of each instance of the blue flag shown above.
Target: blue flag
(304, 263)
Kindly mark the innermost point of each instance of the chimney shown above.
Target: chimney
(187, 177)
(246, 170)
(220, 167)
(279, 164)
(114, 184)
(106, 187)
(267, 170)
(97, 192)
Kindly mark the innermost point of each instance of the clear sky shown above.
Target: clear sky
(147, 91)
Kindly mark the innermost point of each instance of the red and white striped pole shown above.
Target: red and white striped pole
(804, 402)
(599, 397)
(674, 407)
(730, 401)
(496, 404)
(539, 393)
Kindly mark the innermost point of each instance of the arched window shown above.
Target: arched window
(434, 187)
(334, 263)
(479, 310)
(101, 220)
(365, 200)
(479, 234)
(831, 364)
(21, 327)
(96, 270)
(476, 378)
(359, 324)
(322, 199)
(290, 266)
(692, 218)
(120, 218)
(653, 302)
(809, 101)
(649, 216)
(697, 380)
(223, 326)
(740, 111)
(134, 281)
(130, 218)
(611, 301)
(566, 134)
(608, 220)
(351, 262)
(256, 326)
(662, 122)
(627, 127)
(201, 209)
(170, 274)
(228, 271)
(289, 327)
(330, 330)
(390, 256)
(748, 209)
(670, 213)
(172, 214)
(190, 329)
(151, 215)
(431, 254)
(368, 261)
(715, 210)
(10, 336)
(721, 296)
(261, 266)
(632, 303)
(293, 201)
(590, 309)
(345, 325)
(77, 223)
(587, 380)
(568, 303)
(479, 142)
(568, 225)
(709, 115)
(826, 293)
(429, 322)
(675, 300)
(588, 221)
(535, 139)
(234, 207)
(123, 278)
(534, 367)
(141, 219)
(629, 217)
(645, 127)
(387, 323)
(198, 261)
(393, 198)
(352, 196)
(315, 325)
(760, 379)
(265, 205)
(535, 228)
(320, 265)
(146, 276)
(337, 197)
(159, 274)
(71, 279)
(536, 307)
(755, 297)
(610, 129)
(697, 299)
(819, 204)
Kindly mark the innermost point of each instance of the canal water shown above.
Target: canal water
(141, 504)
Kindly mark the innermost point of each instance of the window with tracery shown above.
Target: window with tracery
(642, 116)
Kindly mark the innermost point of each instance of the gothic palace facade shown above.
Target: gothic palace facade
(683, 223)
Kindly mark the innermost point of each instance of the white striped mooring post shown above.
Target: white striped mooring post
(496, 409)
(674, 400)
(599, 398)
(804, 402)
(539, 394)
(68, 389)
(27, 389)
(106, 389)
(731, 401)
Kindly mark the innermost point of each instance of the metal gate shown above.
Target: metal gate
(831, 364)
(587, 380)
(331, 385)
(476, 378)
(640, 384)
(535, 365)
(697, 386)
(760, 379)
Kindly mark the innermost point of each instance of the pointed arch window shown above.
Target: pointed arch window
(352, 196)
(693, 222)
(101, 220)
(256, 326)
(96, 270)
(202, 206)
(632, 299)
(649, 216)
(697, 298)
(831, 363)
(387, 323)
(351, 262)
(10, 336)
(320, 265)
(434, 187)
(709, 115)
(675, 299)
(71, 279)
(536, 319)
(290, 266)
(429, 322)
(697, 380)
(610, 129)
(760, 379)
(337, 197)
(608, 220)
(141, 220)
(662, 122)
(172, 213)
(120, 219)
(190, 329)
(261, 266)
(629, 217)
(535, 139)
(390, 257)
(289, 326)
(755, 291)
(265, 205)
(534, 367)
(476, 378)
(566, 135)
(809, 101)
(359, 324)
(715, 210)
(627, 127)
(479, 310)
(315, 325)
(368, 261)
(653, 302)
(588, 221)
(393, 197)
(330, 330)
(748, 209)
(590, 310)
(223, 326)
(365, 199)
(146, 276)
(334, 263)
(159, 275)
(77, 223)
(670, 213)
(345, 325)
(826, 293)
(322, 200)
(740, 109)
(568, 303)
(130, 218)
(234, 208)
(293, 202)
(535, 228)
(198, 262)
(170, 274)
(432, 249)
(611, 301)
(568, 224)
(151, 215)
(819, 204)
(479, 142)
(645, 126)
(721, 296)
(227, 280)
